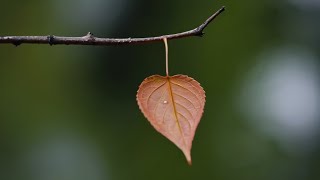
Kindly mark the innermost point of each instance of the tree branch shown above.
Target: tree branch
(89, 39)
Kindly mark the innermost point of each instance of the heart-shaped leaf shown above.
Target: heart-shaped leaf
(174, 106)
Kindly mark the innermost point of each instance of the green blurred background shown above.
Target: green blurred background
(70, 113)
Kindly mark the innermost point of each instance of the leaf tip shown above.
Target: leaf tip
(189, 162)
(188, 157)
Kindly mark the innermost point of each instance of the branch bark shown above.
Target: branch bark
(89, 39)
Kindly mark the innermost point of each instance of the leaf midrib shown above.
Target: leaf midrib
(175, 111)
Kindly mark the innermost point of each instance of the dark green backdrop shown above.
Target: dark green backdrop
(69, 112)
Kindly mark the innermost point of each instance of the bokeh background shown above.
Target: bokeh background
(70, 113)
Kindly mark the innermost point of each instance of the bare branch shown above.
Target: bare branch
(89, 39)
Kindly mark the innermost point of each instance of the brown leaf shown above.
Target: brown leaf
(174, 106)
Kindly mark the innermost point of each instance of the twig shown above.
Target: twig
(89, 39)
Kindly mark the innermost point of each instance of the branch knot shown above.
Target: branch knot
(50, 40)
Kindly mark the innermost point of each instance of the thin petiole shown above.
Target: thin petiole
(167, 61)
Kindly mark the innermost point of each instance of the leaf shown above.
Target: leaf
(174, 106)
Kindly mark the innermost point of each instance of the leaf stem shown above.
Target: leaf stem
(167, 58)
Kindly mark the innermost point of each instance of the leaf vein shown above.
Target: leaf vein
(186, 110)
(179, 85)
(147, 103)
